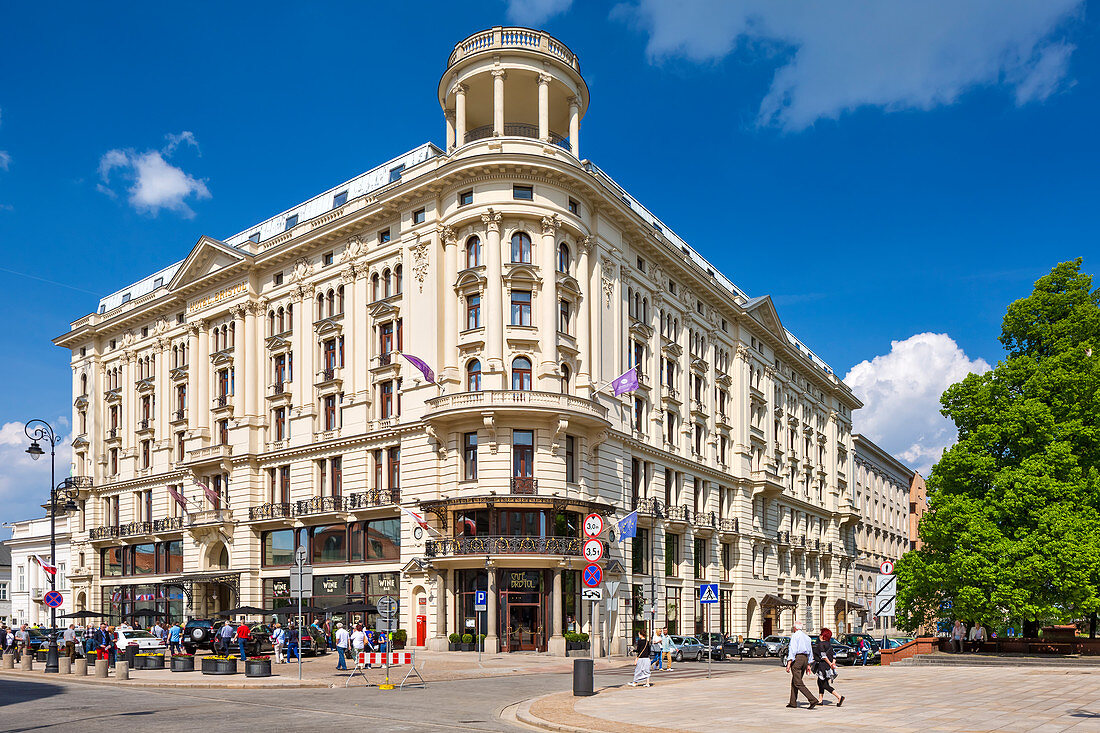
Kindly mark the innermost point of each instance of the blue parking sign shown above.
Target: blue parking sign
(481, 600)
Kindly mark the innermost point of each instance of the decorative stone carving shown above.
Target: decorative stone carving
(742, 352)
(347, 275)
(491, 220)
(353, 250)
(302, 270)
(490, 424)
(161, 326)
(559, 433)
(550, 225)
(440, 446)
(448, 235)
(420, 262)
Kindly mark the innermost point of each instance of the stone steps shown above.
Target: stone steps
(994, 660)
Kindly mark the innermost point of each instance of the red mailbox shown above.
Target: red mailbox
(421, 630)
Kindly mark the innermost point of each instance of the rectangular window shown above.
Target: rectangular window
(378, 470)
(386, 401)
(383, 539)
(639, 552)
(327, 259)
(3, 591)
(473, 311)
(291, 222)
(223, 432)
(179, 446)
(330, 412)
(563, 316)
(284, 484)
(521, 307)
(340, 199)
(469, 456)
(672, 555)
(418, 216)
(700, 557)
(524, 193)
(277, 279)
(395, 172)
(336, 476)
(393, 458)
(523, 453)
(279, 423)
(383, 236)
(574, 207)
(570, 459)
(466, 198)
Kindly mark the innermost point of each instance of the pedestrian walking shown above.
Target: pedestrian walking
(342, 646)
(243, 637)
(174, 635)
(70, 641)
(278, 641)
(825, 667)
(958, 632)
(225, 638)
(358, 641)
(292, 642)
(799, 653)
(330, 638)
(643, 649)
(864, 648)
(657, 646)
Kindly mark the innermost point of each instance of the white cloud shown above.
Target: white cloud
(155, 183)
(838, 56)
(535, 12)
(5, 160)
(24, 482)
(901, 396)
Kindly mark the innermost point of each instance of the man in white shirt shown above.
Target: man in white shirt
(342, 646)
(799, 653)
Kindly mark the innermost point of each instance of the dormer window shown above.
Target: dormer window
(340, 199)
(254, 237)
(291, 222)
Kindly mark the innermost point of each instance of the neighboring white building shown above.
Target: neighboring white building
(882, 485)
(29, 582)
(254, 397)
(5, 583)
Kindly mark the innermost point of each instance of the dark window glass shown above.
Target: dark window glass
(340, 199)
(418, 216)
(525, 193)
(469, 456)
(279, 547)
(570, 459)
(329, 543)
(110, 561)
(466, 198)
(383, 539)
(291, 222)
(523, 453)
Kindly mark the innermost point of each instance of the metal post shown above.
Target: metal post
(592, 628)
(52, 665)
(477, 630)
(299, 629)
(710, 654)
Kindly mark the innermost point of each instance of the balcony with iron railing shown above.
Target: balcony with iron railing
(371, 498)
(500, 545)
(277, 510)
(679, 514)
(107, 532)
(650, 506)
(319, 505)
(179, 416)
(782, 538)
(167, 524)
(135, 528)
(325, 504)
(517, 129)
(525, 485)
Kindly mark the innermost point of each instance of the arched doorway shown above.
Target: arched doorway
(750, 618)
(81, 601)
(420, 617)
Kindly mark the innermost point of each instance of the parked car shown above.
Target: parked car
(841, 651)
(773, 643)
(686, 647)
(852, 640)
(199, 633)
(39, 639)
(145, 641)
(312, 645)
(715, 646)
(893, 642)
(752, 648)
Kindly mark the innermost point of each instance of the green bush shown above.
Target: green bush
(401, 635)
(455, 638)
(467, 638)
(570, 637)
(582, 638)
(481, 638)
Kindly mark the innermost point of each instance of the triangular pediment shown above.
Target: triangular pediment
(277, 343)
(762, 309)
(207, 257)
(327, 325)
(382, 309)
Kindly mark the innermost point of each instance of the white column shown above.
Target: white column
(451, 326)
(449, 115)
(193, 375)
(575, 126)
(544, 107)
(494, 307)
(240, 360)
(498, 102)
(251, 376)
(548, 304)
(460, 114)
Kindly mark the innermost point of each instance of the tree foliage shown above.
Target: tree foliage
(1012, 530)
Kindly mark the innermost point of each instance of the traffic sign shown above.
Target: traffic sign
(593, 525)
(303, 584)
(612, 587)
(708, 593)
(53, 599)
(593, 576)
(481, 600)
(886, 592)
(593, 550)
(887, 567)
(300, 555)
(591, 594)
(387, 606)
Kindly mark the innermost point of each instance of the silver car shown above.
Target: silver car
(774, 643)
(686, 647)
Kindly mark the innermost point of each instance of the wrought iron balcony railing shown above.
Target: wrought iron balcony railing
(103, 533)
(679, 514)
(270, 511)
(650, 506)
(167, 524)
(371, 498)
(524, 485)
(503, 546)
(319, 505)
(517, 129)
(133, 528)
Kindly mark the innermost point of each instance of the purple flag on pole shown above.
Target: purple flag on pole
(419, 363)
(627, 382)
(177, 496)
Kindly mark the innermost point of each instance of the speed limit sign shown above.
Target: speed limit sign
(593, 525)
(593, 550)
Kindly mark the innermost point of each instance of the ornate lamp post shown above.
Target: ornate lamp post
(40, 430)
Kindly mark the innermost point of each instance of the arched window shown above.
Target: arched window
(320, 306)
(84, 381)
(565, 374)
(473, 376)
(521, 374)
(280, 319)
(289, 323)
(645, 310)
(521, 247)
(563, 258)
(331, 302)
(374, 291)
(397, 275)
(637, 306)
(270, 323)
(340, 299)
(388, 282)
(473, 252)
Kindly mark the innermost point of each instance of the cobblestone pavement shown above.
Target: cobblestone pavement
(877, 699)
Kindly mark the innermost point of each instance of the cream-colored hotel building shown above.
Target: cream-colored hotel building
(254, 397)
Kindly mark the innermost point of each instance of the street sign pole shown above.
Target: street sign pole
(710, 654)
(299, 559)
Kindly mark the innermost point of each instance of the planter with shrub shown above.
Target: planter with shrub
(400, 636)
(575, 641)
(467, 643)
(219, 665)
(257, 667)
(183, 663)
(453, 641)
(149, 661)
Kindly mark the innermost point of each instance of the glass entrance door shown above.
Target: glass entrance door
(525, 630)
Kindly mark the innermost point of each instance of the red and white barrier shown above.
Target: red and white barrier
(373, 658)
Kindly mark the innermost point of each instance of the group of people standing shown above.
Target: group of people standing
(359, 639)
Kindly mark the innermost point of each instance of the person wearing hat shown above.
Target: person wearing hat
(341, 646)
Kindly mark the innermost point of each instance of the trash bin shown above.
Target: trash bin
(582, 678)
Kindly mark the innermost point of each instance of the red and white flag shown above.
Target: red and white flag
(417, 518)
(51, 569)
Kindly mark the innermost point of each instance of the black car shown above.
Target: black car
(752, 648)
(201, 633)
(717, 646)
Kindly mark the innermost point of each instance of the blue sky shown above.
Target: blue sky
(883, 171)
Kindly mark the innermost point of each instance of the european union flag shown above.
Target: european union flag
(628, 526)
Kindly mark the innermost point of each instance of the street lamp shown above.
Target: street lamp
(39, 430)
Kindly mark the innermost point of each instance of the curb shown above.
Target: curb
(42, 677)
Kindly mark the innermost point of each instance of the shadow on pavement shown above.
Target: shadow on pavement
(17, 691)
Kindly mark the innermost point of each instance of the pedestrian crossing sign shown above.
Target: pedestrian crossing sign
(708, 593)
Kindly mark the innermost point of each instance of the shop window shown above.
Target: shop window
(383, 539)
(329, 544)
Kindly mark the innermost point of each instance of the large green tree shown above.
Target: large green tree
(1012, 530)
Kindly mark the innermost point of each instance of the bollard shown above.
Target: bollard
(101, 668)
(122, 670)
(9, 661)
(582, 678)
(27, 663)
(64, 665)
(80, 668)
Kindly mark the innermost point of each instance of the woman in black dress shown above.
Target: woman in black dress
(825, 666)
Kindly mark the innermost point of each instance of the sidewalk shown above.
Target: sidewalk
(321, 672)
(877, 699)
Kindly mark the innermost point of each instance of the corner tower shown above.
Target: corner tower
(513, 82)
